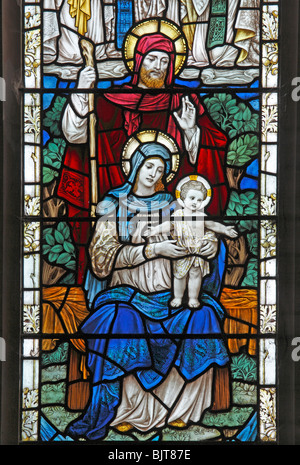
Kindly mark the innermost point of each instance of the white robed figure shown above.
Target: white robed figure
(241, 44)
(66, 21)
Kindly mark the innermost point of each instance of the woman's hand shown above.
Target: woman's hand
(169, 249)
(209, 249)
(153, 231)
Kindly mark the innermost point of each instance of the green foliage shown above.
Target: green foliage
(58, 248)
(244, 393)
(241, 124)
(243, 204)
(53, 155)
(59, 355)
(235, 417)
(250, 279)
(242, 149)
(49, 174)
(53, 116)
(252, 240)
(233, 117)
(54, 150)
(53, 393)
(243, 367)
(54, 373)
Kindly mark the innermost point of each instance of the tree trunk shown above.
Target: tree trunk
(234, 176)
(51, 274)
(237, 257)
(52, 206)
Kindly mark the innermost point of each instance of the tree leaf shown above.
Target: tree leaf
(53, 147)
(68, 279)
(59, 237)
(241, 150)
(69, 247)
(252, 240)
(71, 265)
(246, 148)
(48, 174)
(232, 133)
(48, 231)
(57, 248)
(247, 115)
(237, 125)
(238, 116)
(234, 197)
(46, 249)
(233, 110)
(244, 199)
(239, 209)
(222, 97)
(52, 257)
(63, 259)
(49, 239)
(231, 103)
(61, 227)
(251, 194)
(216, 107)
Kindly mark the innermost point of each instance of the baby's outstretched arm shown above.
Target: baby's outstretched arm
(220, 228)
(163, 228)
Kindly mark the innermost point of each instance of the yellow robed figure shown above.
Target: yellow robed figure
(81, 11)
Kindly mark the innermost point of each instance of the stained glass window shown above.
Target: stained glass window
(149, 216)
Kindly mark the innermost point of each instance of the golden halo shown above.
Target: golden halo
(195, 177)
(152, 26)
(144, 137)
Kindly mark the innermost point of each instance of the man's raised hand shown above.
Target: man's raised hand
(187, 119)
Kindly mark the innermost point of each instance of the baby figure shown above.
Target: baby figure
(190, 228)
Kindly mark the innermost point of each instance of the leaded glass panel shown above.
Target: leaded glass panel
(149, 255)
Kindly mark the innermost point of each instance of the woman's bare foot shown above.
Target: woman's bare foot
(124, 427)
(178, 424)
(176, 302)
(194, 303)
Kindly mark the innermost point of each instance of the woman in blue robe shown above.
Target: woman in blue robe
(151, 365)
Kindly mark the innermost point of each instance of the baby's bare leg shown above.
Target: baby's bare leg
(194, 286)
(179, 286)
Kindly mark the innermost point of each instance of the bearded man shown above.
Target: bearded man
(149, 101)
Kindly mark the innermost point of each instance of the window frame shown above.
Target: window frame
(288, 248)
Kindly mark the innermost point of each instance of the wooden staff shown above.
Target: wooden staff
(87, 49)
